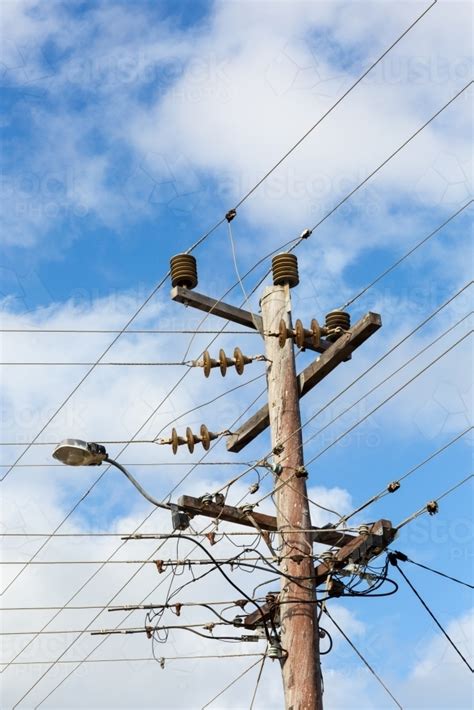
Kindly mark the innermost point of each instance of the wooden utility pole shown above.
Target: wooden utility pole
(294, 611)
(299, 625)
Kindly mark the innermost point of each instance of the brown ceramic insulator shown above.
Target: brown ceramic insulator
(184, 271)
(285, 270)
(337, 321)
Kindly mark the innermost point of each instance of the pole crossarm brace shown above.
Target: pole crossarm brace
(229, 514)
(360, 550)
(232, 313)
(313, 374)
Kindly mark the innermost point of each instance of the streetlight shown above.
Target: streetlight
(75, 452)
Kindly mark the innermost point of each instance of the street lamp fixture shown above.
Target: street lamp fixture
(75, 452)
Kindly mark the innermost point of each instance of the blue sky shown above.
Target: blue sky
(128, 130)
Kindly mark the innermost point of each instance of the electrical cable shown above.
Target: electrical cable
(394, 561)
(230, 684)
(339, 100)
(254, 695)
(430, 569)
(131, 660)
(364, 661)
(387, 378)
(397, 391)
(385, 491)
(405, 256)
(127, 332)
(93, 575)
(424, 510)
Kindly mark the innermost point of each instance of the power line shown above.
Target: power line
(385, 491)
(394, 561)
(129, 607)
(98, 479)
(364, 660)
(131, 660)
(392, 155)
(119, 547)
(405, 256)
(183, 562)
(125, 631)
(230, 684)
(339, 100)
(403, 558)
(221, 221)
(159, 536)
(387, 378)
(259, 677)
(99, 364)
(424, 510)
(145, 463)
(160, 331)
(397, 391)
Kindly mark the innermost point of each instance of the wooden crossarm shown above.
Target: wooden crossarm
(310, 377)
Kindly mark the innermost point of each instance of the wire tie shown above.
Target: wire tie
(432, 507)
(230, 215)
(162, 662)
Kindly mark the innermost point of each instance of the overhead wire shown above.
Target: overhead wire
(79, 663)
(339, 100)
(241, 675)
(411, 471)
(387, 399)
(131, 660)
(394, 561)
(405, 256)
(363, 659)
(81, 588)
(259, 677)
(424, 510)
(392, 155)
(387, 377)
(435, 571)
(117, 549)
(159, 331)
(107, 467)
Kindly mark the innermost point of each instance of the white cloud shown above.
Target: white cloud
(225, 76)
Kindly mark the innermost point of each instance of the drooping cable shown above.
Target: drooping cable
(394, 561)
